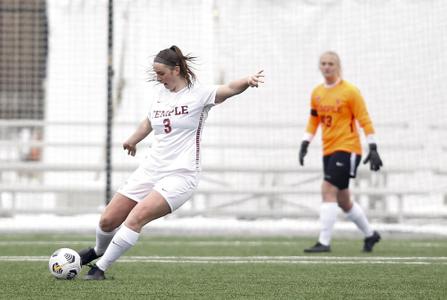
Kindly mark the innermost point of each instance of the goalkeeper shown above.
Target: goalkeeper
(336, 105)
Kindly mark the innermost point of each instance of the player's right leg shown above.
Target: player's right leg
(328, 216)
(113, 216)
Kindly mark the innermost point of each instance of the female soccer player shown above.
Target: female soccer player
(169, 177)
(336, 105)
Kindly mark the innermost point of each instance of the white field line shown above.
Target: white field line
(235, 243)
(158, 243)
(411, 260)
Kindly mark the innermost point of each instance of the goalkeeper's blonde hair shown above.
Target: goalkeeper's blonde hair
(337, 60)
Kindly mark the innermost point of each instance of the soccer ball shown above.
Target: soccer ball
(65, 263)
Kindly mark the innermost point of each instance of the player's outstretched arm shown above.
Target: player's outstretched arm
(142, 131)
(235, 87)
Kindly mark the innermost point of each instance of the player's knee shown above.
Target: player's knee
(135, 223)
(107, 224)
(345, 205)
(139, 218)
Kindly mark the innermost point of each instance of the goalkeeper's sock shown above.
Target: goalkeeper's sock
(123, 240)
(328, 216)
(103, 240)
(358, 217)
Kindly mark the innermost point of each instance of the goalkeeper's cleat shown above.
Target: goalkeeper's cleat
(318, 248)
(95, 273)
(87, 255)
(369, 242)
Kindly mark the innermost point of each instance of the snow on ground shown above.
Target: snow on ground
(211, 226)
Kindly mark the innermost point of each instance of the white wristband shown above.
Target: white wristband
(370, 139)
(308, 137)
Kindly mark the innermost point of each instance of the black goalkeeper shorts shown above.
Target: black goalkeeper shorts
(339, 167)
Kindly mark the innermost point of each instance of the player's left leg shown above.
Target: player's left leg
(113, 216)
(169, 193)
(354, 211)
(355, 214)
(152, 207)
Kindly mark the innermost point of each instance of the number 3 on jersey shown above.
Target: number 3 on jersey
(326, 120)
(167, 124)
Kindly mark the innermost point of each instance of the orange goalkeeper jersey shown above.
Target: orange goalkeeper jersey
(336, 109)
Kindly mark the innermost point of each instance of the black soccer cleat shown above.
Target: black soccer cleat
(318, 248)
(95, 273)
(369, 242)
(87, 255)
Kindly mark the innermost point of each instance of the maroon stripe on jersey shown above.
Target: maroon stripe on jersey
(198, 133)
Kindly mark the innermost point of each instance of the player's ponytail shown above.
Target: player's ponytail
(183, 63)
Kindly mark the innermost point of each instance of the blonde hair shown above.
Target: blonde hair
(337, 60)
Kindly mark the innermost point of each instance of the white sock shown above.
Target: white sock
(103, 240)
(328, 216)
(358, 217)
(123, 240)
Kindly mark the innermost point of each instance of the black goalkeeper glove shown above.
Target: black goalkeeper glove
(373, 158)
(303, 152)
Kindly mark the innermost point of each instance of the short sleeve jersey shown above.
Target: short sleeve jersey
(336, 109)
(177, 120)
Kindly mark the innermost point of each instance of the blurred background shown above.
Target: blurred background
(74, 85)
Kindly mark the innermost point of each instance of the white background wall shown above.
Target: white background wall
(394, 51)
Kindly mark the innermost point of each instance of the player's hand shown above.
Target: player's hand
(303, 151)
(131, 148)
(254, 80)
(373, 158)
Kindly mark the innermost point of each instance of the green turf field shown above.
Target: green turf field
(231, 268)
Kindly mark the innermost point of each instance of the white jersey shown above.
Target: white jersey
(177, 120)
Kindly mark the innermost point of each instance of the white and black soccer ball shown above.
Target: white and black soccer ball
(65, 263)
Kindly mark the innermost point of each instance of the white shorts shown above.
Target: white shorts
(176, 188)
